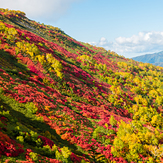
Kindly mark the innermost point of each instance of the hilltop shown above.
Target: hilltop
(62, 100)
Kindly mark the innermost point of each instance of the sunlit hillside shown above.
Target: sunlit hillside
(64, 101)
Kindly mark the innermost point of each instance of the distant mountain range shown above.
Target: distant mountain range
(155, 58)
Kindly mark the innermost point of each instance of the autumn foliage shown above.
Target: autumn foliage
(66, 101)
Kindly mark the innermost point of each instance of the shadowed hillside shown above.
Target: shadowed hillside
(66, 101)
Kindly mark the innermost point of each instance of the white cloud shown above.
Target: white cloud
(103, 41)
(46, 9)
(93, 43)
(143, 43)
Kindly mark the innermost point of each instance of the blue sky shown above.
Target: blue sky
(128, 27)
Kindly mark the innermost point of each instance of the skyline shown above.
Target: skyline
(130, 28)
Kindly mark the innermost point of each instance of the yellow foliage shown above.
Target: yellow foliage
(159, 100)
(115, 90)
(153, 93)
(2, 26)
(27, 48)
(84, 58)
(123, 65)
(112, 121)
(55, 65)
(41, 58)
(65, 152)
(12, 12)
(156, 151)
(137, 81)
(157, 120)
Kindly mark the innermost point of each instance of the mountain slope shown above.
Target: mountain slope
(66, 101)
(156, 58)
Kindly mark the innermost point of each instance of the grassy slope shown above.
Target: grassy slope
(82, 104)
